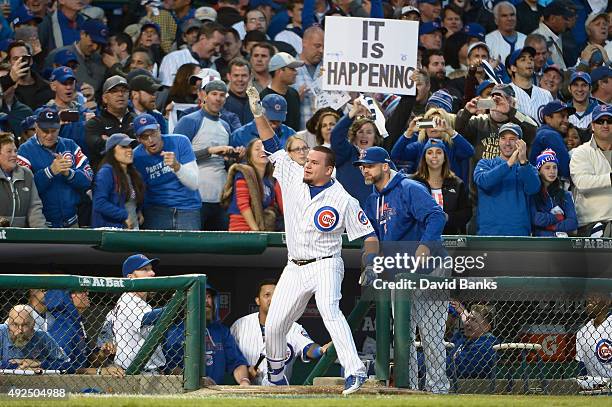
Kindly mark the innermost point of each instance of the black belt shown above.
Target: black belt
(305, 262)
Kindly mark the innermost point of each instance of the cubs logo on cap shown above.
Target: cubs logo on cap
(326, 218)
(603, 351)
(363, 219)
(143, 120)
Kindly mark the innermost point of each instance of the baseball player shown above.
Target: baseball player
(249, 332)
(403, 210)
(594, 340)
(317, 211)
(529, 97)
(129, 317)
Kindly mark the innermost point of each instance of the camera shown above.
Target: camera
(485, 103)
(426, 124)
(69, 115)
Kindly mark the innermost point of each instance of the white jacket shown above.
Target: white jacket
(590, 172)
(499, 47)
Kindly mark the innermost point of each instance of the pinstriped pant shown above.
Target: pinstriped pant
(296, 285)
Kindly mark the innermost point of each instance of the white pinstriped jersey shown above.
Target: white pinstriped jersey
(314, 226)
(581, 120)
(247, 333)
(530, 105)
(594, 348)
(129, 333)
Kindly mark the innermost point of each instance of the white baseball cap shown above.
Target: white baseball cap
(283, 60)
(206, 13)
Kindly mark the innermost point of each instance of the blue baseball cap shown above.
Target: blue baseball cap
(579, 75)
(212, 289)
(62, 57)
(22, 16)
(28, 123)
(62, 74)
(601, 111)
(153, 25)
(553, 107)
(518, 52)
(484, 85)
(144, 122)
(512, 128)
(431, 26)
(374, 155)
(600, 73)
(257, 3)
(121, 139)
(48, 118)
(97, 30)
(136, 262)
(475, 30)
(275, 107)
(441, 99)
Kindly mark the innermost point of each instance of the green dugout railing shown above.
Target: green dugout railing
(249, 243)
(189, 288)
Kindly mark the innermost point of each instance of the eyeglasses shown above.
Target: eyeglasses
(601, 122)
(300, 150)
(256, 20)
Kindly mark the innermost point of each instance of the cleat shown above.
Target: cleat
(267, 382)
(352, 384)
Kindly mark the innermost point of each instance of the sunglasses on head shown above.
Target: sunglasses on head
(605, 120)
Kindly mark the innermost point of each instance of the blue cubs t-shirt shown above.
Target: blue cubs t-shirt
(163, 187)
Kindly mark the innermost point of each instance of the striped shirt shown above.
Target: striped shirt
(530, 105)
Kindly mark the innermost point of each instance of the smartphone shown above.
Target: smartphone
(426, 124)
(485, 103)
(26, 58)
(69, 115)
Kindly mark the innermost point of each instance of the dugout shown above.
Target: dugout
(235, 262)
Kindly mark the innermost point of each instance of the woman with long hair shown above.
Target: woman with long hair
(297, 149)
(459, 149)
(183, 89)
(251, 194)
(326, 123)
(446, 188)
(118, 190)
(552, 209)
(354, 133)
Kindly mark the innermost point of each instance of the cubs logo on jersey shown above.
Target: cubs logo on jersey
(363, 219)
(326, 218)
(67, 155)
(603, 351)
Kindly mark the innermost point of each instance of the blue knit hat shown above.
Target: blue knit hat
(441, 99)
(546, 156)
(434, 142)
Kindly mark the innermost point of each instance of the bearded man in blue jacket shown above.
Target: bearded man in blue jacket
(504, 186)
(402, 210)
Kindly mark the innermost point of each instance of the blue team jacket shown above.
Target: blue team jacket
(541, 218)
(64, 324)
(503, 197)
(222, 352)
(405, 211)
(472, 358)
(60, 195)
(108, 205)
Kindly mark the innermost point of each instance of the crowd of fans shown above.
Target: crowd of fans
(143, 121)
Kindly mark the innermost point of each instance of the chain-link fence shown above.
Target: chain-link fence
(102, 335)
(503, 335)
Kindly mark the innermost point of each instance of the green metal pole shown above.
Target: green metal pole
(193, 340)
(354, 319)
(157, 333)
(202, 333)
(383, 333)
(402, 336)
